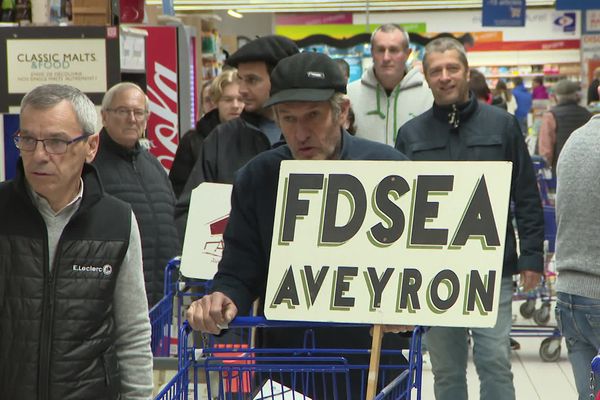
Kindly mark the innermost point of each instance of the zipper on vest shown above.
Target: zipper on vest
(46, 333)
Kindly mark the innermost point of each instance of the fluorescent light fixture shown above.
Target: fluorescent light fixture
(266, 6)
(234, 14)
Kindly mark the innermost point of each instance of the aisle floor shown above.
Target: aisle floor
(534, 379)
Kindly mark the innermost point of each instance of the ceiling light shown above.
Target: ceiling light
(234, 14)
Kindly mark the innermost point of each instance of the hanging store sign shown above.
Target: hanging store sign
(577, 4)
(76, 62)
(407, 243)
(503, 13)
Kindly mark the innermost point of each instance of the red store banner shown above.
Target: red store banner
(161, 87)
(527, 45)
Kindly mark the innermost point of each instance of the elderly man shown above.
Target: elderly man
(307, 95)
(73, 315)
(561, 120)
(459, 128)
(234, 143)
(388, 94)
(129, 172)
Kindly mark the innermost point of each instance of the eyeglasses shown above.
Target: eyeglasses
(123, 112)
(52, 146)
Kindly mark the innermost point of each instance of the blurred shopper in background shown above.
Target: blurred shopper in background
(129, 172)
(524, 102)
(388, 94)
(562, 119)
(577, 250)
(538, 90)
(503, 91)
(592, 94)
(481, 90)
(225, 93)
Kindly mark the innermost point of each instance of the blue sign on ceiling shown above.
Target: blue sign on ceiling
(577, 4)
(503, 13)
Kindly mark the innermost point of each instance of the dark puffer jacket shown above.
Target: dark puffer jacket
(57, 328)
(137, 177)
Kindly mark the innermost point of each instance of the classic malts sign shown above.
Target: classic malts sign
(76, 62)
(389, 242)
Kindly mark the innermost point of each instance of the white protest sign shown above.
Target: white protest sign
(203, 245)
(388, 242)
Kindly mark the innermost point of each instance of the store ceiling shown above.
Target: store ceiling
(259, 6)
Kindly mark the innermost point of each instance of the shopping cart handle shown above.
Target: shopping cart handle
(262, 322)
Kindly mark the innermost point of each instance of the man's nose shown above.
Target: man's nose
(243, 87)
(39, 152)
(302, 132)
(131, 115)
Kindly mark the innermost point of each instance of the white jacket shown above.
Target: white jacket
(377, 116)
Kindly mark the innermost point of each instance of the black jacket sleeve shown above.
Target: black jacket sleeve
(242, 273)
(528, 208)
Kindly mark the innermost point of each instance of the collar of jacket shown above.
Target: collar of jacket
(252, 118)
(92, 186)
(208, 122)
(108, 144)
(455, 114)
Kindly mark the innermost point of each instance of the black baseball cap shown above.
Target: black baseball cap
(305, 77)
(270, 49)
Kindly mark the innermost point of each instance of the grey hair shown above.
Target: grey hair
(47, 96)
(386, 28)
(336, 101)
(567, 98)
(119, 87)
(443, 44)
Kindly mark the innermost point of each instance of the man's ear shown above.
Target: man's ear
(92, 143)
(104, 115)
(344, 110)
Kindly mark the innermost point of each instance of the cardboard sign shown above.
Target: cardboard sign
(387, 242)
(203, 245)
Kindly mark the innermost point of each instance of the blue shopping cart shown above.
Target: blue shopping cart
(245, 372)
(162, 314)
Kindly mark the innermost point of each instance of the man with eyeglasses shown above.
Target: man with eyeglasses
(73, 318)
(129, 172)
(232, 144)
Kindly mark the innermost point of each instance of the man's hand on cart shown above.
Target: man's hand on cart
(529, 280)
(211, 313)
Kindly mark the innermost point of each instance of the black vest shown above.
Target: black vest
(137, 177)
(569, 117)
(57, 328)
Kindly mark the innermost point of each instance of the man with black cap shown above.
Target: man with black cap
(561, 120)
(309, 103)
(232, 144)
